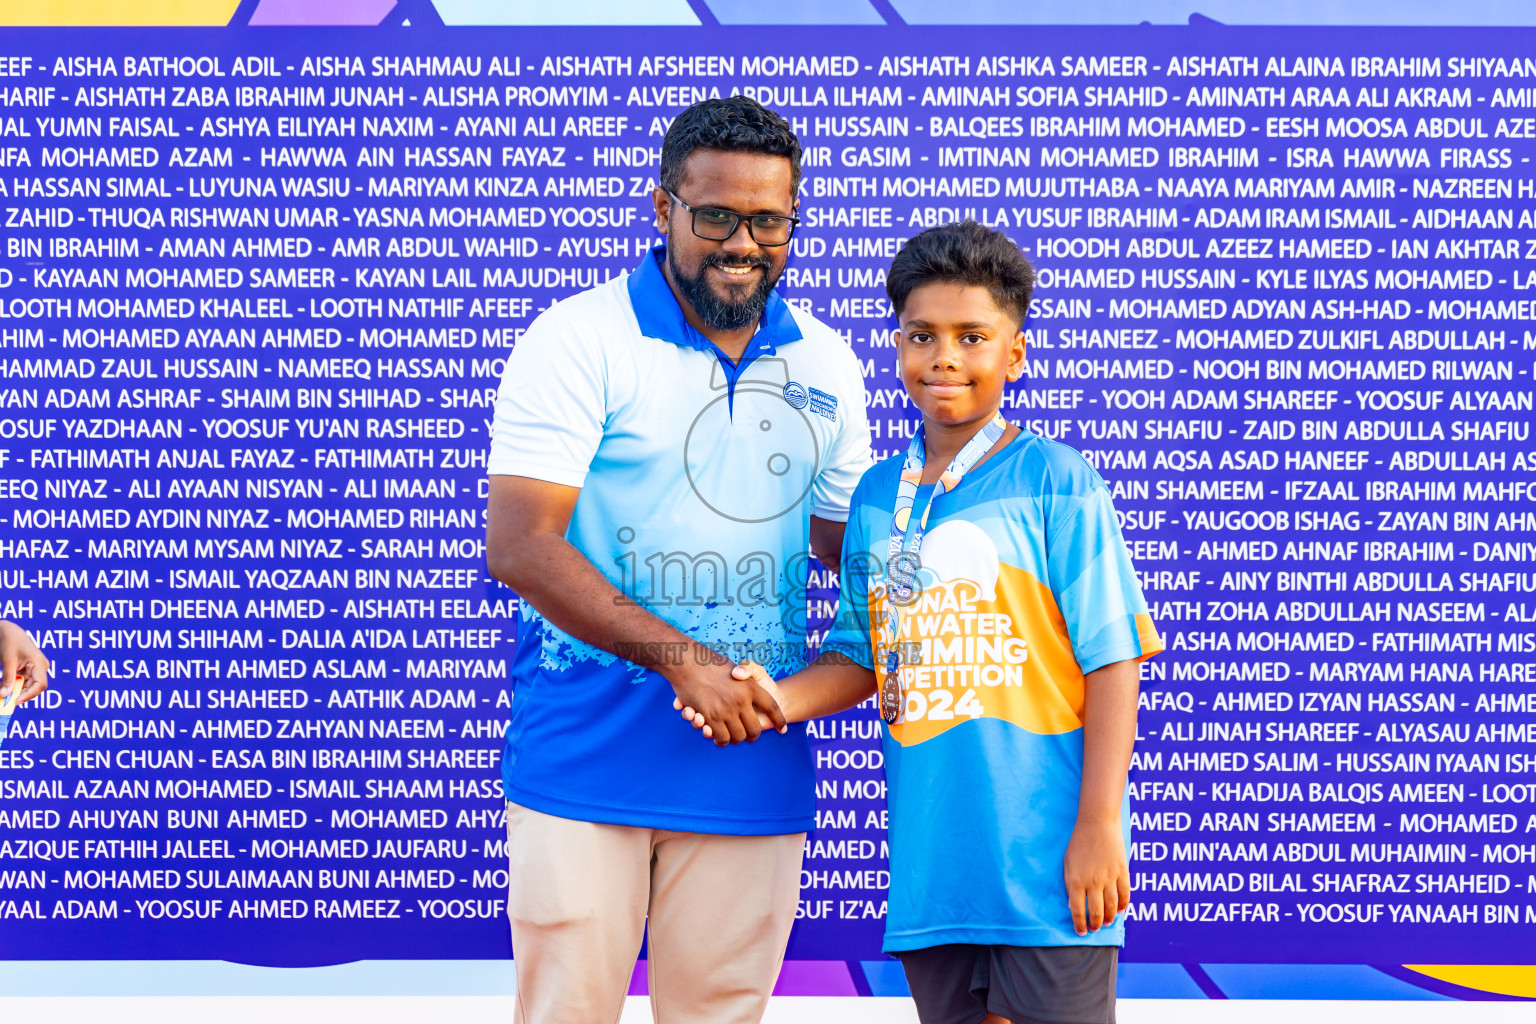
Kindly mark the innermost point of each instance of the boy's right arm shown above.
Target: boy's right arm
(832, 683)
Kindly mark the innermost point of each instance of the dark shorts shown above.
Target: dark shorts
(961, 984)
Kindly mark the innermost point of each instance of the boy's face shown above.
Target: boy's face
(957, 350)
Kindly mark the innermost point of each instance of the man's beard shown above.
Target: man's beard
(719, 313)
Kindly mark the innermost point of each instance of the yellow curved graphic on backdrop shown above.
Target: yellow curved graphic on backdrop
(1504, 979)
(116, 12)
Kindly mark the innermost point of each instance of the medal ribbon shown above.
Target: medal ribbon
(907, 538)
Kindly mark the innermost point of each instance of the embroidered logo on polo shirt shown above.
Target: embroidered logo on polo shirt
(795, 395)
(823, 404)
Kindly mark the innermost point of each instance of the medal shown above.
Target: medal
(890, 693)
(907, 537)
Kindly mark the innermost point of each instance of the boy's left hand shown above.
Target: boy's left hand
(1097, 875)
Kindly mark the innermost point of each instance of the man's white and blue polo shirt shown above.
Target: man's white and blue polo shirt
(697, 479)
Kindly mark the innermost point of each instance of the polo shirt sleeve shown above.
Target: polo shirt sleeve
(551, 406)
(1094, 585)
(849, 455)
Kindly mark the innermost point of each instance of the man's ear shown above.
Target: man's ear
(1016, 354)
(663, 204)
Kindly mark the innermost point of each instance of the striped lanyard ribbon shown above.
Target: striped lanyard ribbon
(907, 537)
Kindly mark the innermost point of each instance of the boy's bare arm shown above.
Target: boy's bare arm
(832, 683)
(1097, 875)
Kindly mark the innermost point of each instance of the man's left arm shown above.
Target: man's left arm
(827, 541)
(847, 458)
(1097, 874)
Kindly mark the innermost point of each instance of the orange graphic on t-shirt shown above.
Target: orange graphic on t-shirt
(1009, 657)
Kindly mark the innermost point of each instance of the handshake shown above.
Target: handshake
(729, 706)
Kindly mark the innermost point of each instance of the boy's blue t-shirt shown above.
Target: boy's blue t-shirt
(1026, 586)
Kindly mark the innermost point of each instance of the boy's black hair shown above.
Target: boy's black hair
(733, 124)
(966, 253)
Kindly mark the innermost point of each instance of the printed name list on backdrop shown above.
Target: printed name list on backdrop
(258, 289)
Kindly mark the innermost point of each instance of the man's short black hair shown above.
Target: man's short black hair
(966, 253)
(732, 124)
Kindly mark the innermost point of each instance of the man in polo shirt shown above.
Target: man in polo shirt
(666, 449)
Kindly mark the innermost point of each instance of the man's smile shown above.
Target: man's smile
(737, 273)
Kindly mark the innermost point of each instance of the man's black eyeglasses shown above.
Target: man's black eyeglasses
(768, 229)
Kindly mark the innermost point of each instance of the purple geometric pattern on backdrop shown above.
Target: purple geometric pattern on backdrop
(321, 12)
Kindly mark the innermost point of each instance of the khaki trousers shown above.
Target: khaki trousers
(718, 908)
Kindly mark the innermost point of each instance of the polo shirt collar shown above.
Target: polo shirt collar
(660, 316)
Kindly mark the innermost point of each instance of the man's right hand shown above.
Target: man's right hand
(760, 677)
(728, 705)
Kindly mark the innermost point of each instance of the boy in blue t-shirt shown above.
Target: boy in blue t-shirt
(998, 618)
